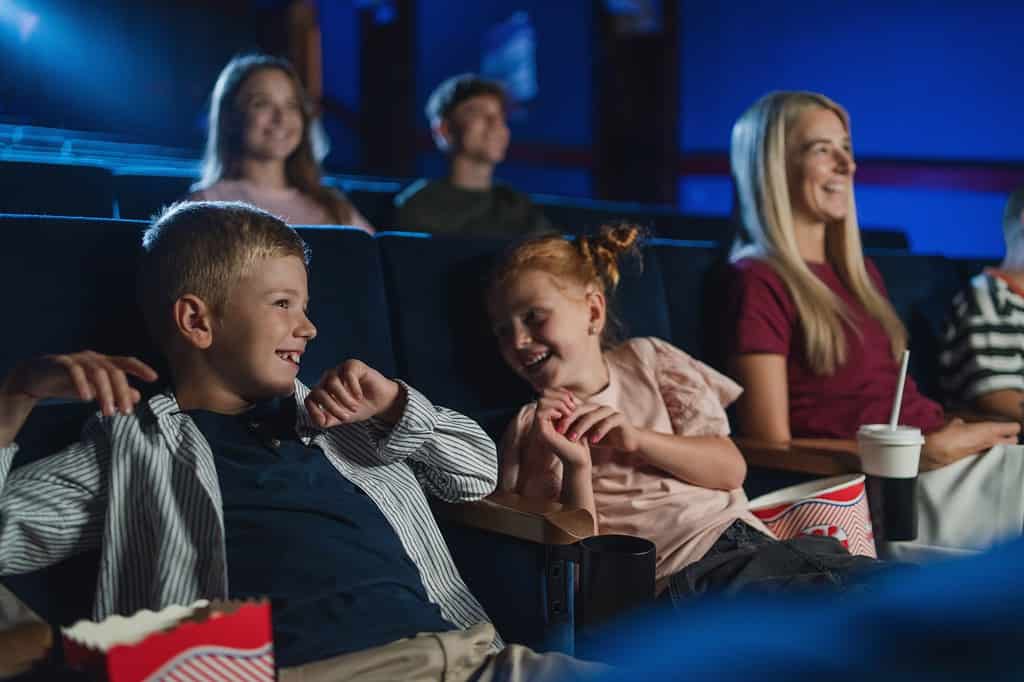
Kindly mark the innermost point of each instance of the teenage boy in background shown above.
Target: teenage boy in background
(467, 119)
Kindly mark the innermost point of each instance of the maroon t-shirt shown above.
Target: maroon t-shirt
(763, 319)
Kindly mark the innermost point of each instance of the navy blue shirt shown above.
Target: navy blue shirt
(299, 532)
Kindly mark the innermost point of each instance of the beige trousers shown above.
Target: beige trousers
(445, 657)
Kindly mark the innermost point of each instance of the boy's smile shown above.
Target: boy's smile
(260, 336)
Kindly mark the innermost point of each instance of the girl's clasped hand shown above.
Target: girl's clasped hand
(582, 421)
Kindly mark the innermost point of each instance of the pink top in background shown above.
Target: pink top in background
(291, 205)
(659, 387)
(760, 317)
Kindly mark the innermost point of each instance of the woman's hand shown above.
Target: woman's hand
(959, 439)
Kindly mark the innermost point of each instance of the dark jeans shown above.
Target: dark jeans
(746, 560)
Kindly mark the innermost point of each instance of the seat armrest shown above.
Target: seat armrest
(530, 519)
(820, 456)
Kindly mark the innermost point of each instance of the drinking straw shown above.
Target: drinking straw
(894, 418)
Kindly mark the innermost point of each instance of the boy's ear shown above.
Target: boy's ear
(193, 319)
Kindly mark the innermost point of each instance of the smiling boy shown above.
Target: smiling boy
(240, 482)
(467, 119)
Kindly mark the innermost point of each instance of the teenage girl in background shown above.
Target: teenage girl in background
(260, 149)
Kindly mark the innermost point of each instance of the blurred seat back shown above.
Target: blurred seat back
(76, 279)
(921, 288)
(141, 195)
(690, 271)
(884, 238)
(347, 302)
(374, 198)
(443, 342)
(56, 189)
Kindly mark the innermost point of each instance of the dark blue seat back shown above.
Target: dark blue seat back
(142, 195)
(375, 198)
(77, 283)
(347, 302)
(884, 238)
(969, 267)
(56, 189)
(443, 343)
(690, 271)
(921, 288)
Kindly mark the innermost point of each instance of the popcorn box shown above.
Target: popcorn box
(213, 642)
(836, 507)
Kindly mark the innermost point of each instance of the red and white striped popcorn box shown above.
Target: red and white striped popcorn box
(208, 642)
(836, 507)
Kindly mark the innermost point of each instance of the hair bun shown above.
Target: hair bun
(606, 247)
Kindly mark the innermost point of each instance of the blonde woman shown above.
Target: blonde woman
(814, 339)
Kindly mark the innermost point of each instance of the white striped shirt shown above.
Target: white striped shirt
(143, 488)
(983, 342)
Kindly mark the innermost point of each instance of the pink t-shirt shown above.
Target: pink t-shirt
(291, 205)
(659, 387)
(760, 317)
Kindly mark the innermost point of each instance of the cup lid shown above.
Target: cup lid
(901, 435)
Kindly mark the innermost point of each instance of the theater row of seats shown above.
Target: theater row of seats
(137, 193)
(409, 305)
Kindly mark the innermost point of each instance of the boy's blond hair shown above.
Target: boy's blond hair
(203, 248)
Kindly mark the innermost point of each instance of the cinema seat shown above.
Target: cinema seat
(140, 195)
(56, 189)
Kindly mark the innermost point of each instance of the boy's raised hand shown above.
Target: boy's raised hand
(353, 392)
(84, 376)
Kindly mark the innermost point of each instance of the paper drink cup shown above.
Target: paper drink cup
(890, 458)
(889, 453)
(834, 507)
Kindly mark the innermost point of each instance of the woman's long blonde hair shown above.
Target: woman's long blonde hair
(758, 160)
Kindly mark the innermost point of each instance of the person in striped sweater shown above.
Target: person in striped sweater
(982, 357)
(241, 482)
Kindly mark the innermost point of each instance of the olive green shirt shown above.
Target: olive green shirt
(440, 207)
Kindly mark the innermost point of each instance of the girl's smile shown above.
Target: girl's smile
(549, 332)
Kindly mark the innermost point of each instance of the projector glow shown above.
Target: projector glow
(23, 21)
